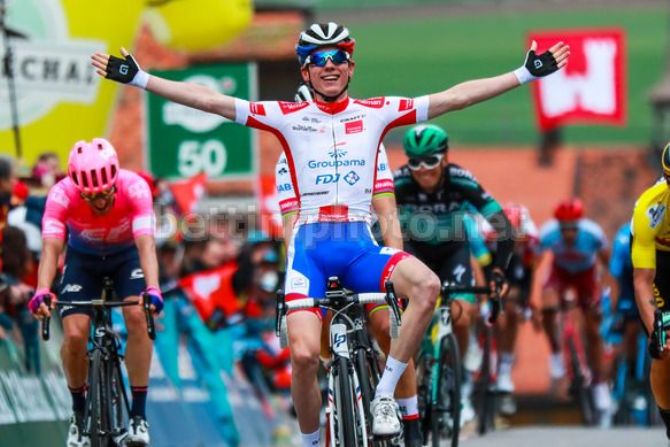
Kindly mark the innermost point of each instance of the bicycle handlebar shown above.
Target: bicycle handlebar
(339, 297)
(494, 295)
(151, 329)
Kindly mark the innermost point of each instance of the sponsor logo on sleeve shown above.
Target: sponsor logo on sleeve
(405, 104)
(257, 108)
(373, 103)
(655, 214)
(291, 107)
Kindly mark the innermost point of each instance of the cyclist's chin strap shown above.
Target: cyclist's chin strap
(327, 98)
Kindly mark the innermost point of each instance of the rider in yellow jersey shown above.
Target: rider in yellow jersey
(650, 230)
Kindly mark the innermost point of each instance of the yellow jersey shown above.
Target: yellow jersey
(651, 225)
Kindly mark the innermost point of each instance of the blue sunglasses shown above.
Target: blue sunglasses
(320, 58)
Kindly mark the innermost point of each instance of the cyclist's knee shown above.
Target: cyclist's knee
(304, 357)
(135, 319)
(425, 290)
(75, 340)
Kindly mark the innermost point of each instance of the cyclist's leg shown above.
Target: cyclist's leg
(304, 278)
(406, 391)
(519, 278)
(411, 279)
(78, 283)
(125, 271)
(588, 292)
(552, 291)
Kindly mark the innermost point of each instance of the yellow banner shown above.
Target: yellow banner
(60, 99)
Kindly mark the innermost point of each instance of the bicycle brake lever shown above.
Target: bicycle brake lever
(46, 321)
(392, 300)
(280, 311)
(151, 327)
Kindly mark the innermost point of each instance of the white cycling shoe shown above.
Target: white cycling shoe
(385, 416)
(74, 439)
(138, 433)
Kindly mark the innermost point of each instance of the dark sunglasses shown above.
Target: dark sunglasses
(98, 195)
(428, 162)
(320, 58)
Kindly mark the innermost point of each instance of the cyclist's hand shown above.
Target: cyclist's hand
(539, 65)
(155, 298)
(37, 305)
(498, 283)
(125, 70)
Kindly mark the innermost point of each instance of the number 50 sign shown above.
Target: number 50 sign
(183, 142)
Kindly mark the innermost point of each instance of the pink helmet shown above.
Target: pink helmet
(93, 167)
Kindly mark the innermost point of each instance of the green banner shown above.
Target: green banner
(183, 142)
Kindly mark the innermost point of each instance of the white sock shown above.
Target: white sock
(506, 362)
(392, 372)
(557, 368)
(409, 407)
(311, 439)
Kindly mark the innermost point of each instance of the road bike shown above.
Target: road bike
(353, 371)
(439, 370)
(107, 405)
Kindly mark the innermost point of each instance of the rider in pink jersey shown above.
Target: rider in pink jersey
(105, 215)
(337, 137)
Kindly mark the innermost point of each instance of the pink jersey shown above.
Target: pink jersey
(131, 215)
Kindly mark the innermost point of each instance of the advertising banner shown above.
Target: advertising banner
(591, 89)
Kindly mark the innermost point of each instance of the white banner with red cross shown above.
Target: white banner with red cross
(591, 89)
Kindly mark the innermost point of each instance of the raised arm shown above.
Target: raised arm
(128, 71)
(472, 92)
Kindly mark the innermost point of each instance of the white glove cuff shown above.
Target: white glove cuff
(141, 79)
(522, 75)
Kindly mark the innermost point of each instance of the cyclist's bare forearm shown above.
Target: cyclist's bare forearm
(469, 93)
(643, 279)
(146, 247)
(193, 95)
(51, 249)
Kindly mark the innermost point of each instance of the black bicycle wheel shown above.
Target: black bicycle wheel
(119, 400)
(96, 419)
(486, 397)
(423, 392)
(446, 411)
(344, 404)
(580, 389)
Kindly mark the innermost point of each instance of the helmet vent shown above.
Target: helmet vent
(103, 174)
(113, 171)
(94, 179)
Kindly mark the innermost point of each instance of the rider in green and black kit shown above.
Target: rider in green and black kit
(434, 198)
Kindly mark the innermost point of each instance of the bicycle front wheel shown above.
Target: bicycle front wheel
(345, 420)
(446, 407)
(97, 420)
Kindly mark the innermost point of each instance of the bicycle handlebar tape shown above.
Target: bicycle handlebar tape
(283, 333)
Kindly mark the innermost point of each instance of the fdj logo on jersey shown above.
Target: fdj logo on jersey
(324, 179)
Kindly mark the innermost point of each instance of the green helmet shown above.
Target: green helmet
(425, 139)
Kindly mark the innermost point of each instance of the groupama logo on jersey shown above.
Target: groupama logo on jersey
(49, 66)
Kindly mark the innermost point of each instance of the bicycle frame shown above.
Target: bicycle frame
(347, 338)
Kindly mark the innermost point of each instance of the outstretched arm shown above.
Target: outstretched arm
(128, 71)
(468, 93)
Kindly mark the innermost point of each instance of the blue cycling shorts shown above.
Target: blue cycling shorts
(343, 249)
(83, 274)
